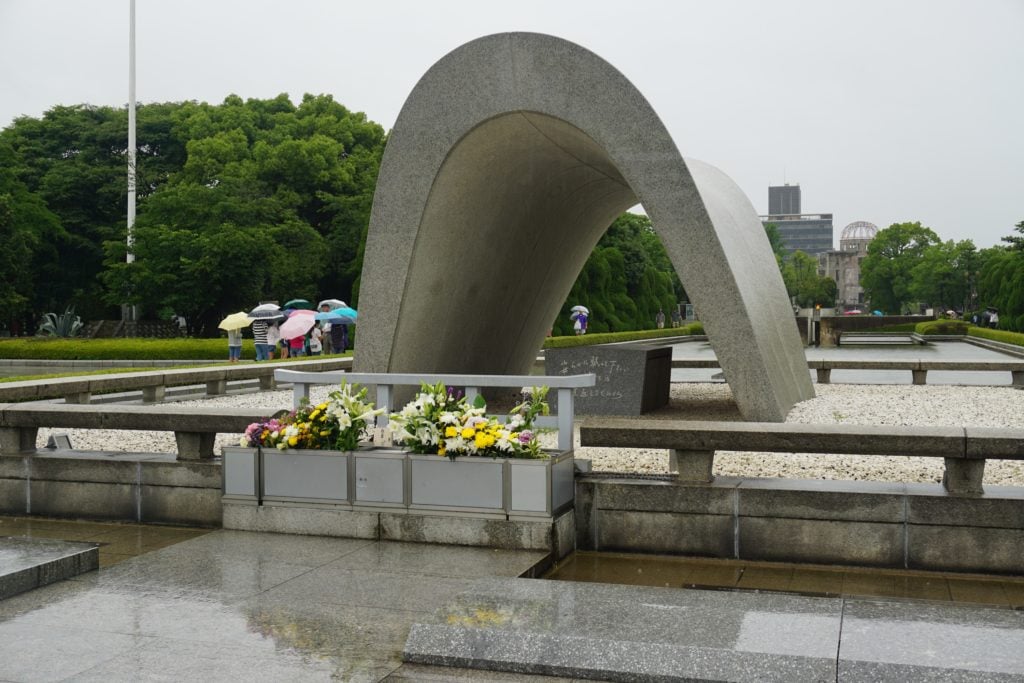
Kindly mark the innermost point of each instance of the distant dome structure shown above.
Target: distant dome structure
(843, 265)
(859, 230)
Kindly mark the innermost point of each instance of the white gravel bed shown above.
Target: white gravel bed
(835, 403)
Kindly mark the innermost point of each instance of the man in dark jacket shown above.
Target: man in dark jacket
(339, 337)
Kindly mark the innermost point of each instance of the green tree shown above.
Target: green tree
(1016, 242)
(29, 232)
(624, 282)
(74, 159)
(885, 273)
(299, 180)
(803, 284)
(942, 277)
(1001, 280)
(775, 240)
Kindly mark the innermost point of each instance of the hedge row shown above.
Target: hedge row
(613, 337)
(37, 348)
(902, 327)
(942, 327)
(34, 348)
(1004, 336)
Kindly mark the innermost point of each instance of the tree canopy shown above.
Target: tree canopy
(885, 273)
(803, 284)
(627, 278)
(237, 202)
(1001, 281)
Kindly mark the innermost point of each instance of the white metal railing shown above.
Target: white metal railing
(563, 385)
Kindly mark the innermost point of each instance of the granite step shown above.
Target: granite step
(28, 563)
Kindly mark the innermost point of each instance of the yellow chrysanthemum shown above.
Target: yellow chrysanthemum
(468, 432)
(450, 431)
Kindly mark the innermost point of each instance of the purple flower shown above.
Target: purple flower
(525, 436)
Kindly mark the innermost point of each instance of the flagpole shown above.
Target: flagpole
(129, 311)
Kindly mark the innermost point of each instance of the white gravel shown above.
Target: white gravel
(835, 403)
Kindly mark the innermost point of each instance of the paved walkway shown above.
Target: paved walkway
(243, 606)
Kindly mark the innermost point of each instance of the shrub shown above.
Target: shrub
(119, 349)
(942, 327)
(1004, 336)
(902, 327)
(695, 328)
(67, 324)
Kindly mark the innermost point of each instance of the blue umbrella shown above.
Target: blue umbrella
(344, 315)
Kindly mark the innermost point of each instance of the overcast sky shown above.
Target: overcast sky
(882, 110)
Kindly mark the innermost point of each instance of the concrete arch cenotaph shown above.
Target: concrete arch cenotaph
(510, 158)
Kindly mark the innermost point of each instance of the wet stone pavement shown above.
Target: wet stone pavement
(227, 606)
(241, 606)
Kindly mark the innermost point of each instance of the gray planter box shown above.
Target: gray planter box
(241, 473)
(385, 478)
(307, 476)
(540, 487)
(381, 478)
(475, 485)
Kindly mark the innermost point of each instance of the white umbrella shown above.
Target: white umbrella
(266, 312)
(331, 304)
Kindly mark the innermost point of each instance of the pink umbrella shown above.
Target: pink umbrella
(298, 324)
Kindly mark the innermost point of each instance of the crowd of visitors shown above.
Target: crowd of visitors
(295, 330)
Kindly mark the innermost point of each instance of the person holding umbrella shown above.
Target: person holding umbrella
(262, 316)
(336, 327)
(233, 325)
(273, 337)
(579, 318)
(294, 330)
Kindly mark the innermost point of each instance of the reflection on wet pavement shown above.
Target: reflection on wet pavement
(812, 580)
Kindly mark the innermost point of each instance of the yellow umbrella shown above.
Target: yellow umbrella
(235, 321)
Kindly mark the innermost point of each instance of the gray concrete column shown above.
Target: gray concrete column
(267, 383)
(195, 445)
(920, 376)
(693, 467)
(1018, 378)
(153, 394)
(963, 477)
(17, 439)
(824, 375)
(216, 387)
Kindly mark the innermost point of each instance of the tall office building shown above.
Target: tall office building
(810, 233)
(784, 200)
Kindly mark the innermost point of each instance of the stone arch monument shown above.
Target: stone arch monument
(509, 160)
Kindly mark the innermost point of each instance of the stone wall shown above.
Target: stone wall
(154, 491)
(914, 526)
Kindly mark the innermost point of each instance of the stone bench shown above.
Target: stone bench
(563, 385)
(692, 445)
(153, 384)
(195, 429)
(918, 367)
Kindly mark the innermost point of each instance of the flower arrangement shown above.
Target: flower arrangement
(339, 423)
(440, 421)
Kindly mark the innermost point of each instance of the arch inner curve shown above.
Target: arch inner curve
(515, 210)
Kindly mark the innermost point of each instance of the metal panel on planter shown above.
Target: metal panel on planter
(241, 473)
(380, 478)
(541, 487)
(306, 475)
(466, 484)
